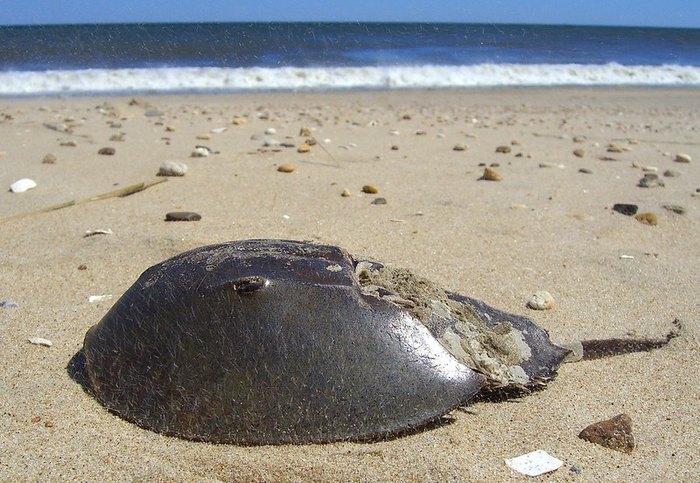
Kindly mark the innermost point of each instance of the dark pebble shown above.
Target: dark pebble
(585, 170)
(625, 209)
(107, 151)
(183, 216)
(678, 209)
(650, 180)
(379, 201)
(82, 266)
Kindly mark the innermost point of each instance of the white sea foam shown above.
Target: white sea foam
(334, 78)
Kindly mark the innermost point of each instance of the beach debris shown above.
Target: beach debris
(172, 168)
(40, 341)
(379, 201)
(305, 132)
(672, 173)
(238, 121)
(648, 218)
(270, 130)
(503, 149)
(579, 139)
(22, 185)
(683, 158)
(614, 433)
(579, 153)
(203, 137)
(7, 304)
(552, 165)
(394, 147)
(625, 209)
(49, 159)
(370, 189)
(614, 148)
(585, 171)
(107, 151)
(98, 298)
(534, 464)
(99, 231)
(650, 180)
(491, 174)
(59, 126)
(182, 216)
(677, 209)
(170, 128)
(154, 113)
(626, 257)
(218, 130)
(304, 148)
(286, 168)
(200, 152)
(82, 266)
(117, 137)
(346, 193)
(414, 347)
(541, 300)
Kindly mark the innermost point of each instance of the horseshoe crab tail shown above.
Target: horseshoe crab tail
(586, 350)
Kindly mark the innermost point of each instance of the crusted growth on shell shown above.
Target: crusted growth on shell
(494, 350)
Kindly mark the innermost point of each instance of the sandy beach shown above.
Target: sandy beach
(548, 224)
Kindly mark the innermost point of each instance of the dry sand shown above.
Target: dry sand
(537, 229)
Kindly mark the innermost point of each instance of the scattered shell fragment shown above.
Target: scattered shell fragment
(534, 464)
(218, 130)
(346, 193)
(585, 171)
(40, 341)
(370, 188)
(672, 173)
(182, 216)
(237, 121)
(286, 168)
(460, 147)
(379, 201)
(650, 180)
(107, 151)
(172, 168)
(541, 300)
(678, 209)
(201, 152)
(270, 130)
(304, 148)
(614, 433)
(503, 149)
(22, 185)
(614, 148)
(99, 231)
(491, 174)
(204, 137)
(683, 158)
(647, 218)
(49, 159)
(99, 298)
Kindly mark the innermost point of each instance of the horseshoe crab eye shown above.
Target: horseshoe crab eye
(247, 285)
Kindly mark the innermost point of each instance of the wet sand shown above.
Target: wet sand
(544, 226)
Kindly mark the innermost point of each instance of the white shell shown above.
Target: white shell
(534, 464)
(270, 130)
(98, 298)
(22, 185)
(40, 341)
(172, 168)
(200, 152)
(541, 300)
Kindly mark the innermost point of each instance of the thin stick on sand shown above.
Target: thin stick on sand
(121, 192)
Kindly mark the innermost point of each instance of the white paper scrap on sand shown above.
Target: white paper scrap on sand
(40, 341)
(534, 464)
(98, 298)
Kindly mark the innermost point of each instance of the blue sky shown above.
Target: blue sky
(662, 13)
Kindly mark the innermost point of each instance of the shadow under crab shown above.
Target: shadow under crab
(274, 341)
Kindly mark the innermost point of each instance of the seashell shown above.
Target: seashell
(22, 185)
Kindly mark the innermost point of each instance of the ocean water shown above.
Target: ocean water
(234, 57)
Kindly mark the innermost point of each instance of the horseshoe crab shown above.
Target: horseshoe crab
(275, 341)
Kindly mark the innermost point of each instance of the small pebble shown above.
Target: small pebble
(69, 144)
(678, 209)
(379, 201)
(460, 147)
(237, 121)
(585, 170)
(579, 153)
(36, 419)
(305, 132)
(22, 185)
(286, 168)
(200, 152)
(49, 159)
(647, 218)
(82, 266)
(579, 139)
(394, 147)
(650, 180)
(107, 151)
(503, 149)
(614, 148)
(541, 300)
(683, 158)
(48, 424)
(172, 168)
(204, 137)
(153, 113)
(270, 130)
(370, 188)
(346, 193)
(614, 433)
(8, 303)
(98, 298)
(182, 216)
(491, 174)
(170, 128)
(672, 173)
(117, 137)
(304, 148)
(625, 209)
(40, 341)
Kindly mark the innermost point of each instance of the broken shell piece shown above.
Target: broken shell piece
(172, 168)
(218, 130)
(98, 298)
(201, 152)
(534, 464)
(99, 231)
(541, 300)
(40, 341)
(22, 185)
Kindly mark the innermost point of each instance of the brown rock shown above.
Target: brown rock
(490, 174)
(395, 147)
(49, 159)
(614, 433)
(579, 153)
(503, 149)
(107, 151)
(304, 148)
(370, 188)
(286, 168)
(647, 218)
